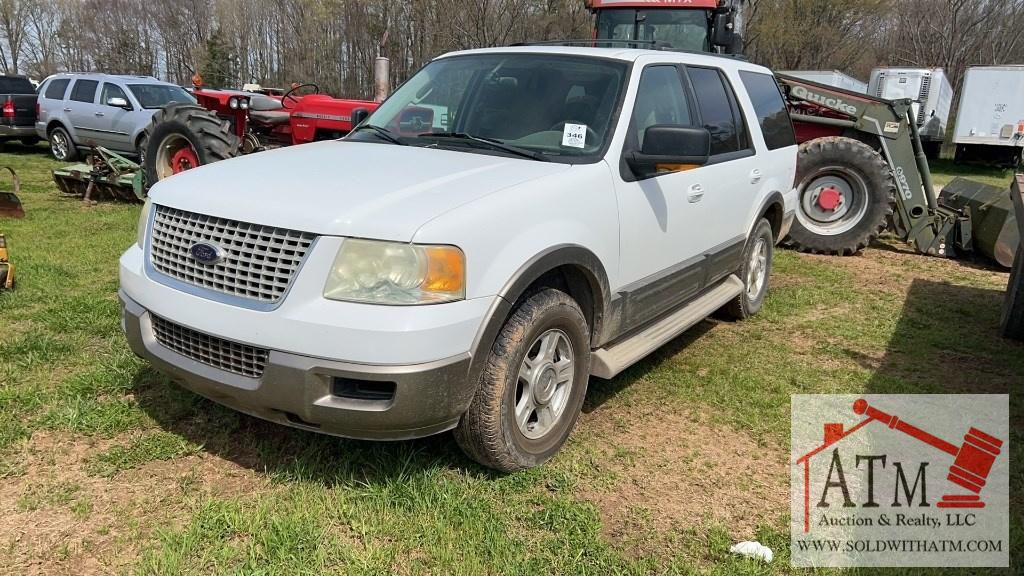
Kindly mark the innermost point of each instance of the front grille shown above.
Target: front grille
(259, 261)
(227, 355)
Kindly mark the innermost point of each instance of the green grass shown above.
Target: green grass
(943, 171)
(151, 479)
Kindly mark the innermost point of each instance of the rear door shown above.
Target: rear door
(731, 179)
(84, 115)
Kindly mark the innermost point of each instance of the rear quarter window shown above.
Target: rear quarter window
(15, 85)
(770, 108)
(56, 88)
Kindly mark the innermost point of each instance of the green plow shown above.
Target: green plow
(987, 223)
(104, 175)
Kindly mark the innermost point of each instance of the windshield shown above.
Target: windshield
(682, 29)
(159, 95)
(553, 107)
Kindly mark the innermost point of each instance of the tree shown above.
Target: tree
(220, 64)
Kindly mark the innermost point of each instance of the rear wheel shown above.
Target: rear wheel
(756, 273)
(532, 387)
(846, 192)
(183, 136)
(61, 145)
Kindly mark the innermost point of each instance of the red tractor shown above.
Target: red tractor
(226, 123)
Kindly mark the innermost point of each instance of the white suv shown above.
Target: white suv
(510, 222)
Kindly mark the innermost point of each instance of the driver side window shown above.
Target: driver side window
(660, 100)
(111, 91)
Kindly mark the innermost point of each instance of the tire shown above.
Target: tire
(30, 141)
(489, 431)
(178, 125)
(1013, 308)
(858, 175)
(756, 273)
(62, 147)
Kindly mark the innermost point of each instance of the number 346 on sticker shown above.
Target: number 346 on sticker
(574, 135)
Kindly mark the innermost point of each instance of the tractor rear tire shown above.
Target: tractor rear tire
(210, 137)
(1013, 308)
(863, 181)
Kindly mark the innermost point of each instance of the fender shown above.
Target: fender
(556, 256)
(772, 198)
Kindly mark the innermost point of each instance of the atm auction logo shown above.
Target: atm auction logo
(900, 480)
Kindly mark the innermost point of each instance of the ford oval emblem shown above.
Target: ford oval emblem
(206, 253)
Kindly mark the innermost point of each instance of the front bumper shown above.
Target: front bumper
(17, 131)
(302, 392)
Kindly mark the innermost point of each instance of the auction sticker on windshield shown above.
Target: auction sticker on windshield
(900, 480)
(574, 135)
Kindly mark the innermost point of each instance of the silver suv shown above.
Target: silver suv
(82, 110)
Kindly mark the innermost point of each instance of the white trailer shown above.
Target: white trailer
(931, 92)
(831, 78)
(990, 123)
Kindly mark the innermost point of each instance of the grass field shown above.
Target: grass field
(107, 467)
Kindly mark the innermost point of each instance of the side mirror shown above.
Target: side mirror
(358, 115)
(669, 148)
(723, 32)
(118, 102)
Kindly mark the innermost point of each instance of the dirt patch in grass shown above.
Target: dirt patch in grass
(59, 519)
(674, 470)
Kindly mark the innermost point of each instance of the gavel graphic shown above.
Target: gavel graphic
(972, 461)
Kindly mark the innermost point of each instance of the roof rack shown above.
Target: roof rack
(639, 44)
(602, 43)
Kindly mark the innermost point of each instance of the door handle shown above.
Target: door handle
(67, 109)
(99, 113)
(695, 194)
(755, 176)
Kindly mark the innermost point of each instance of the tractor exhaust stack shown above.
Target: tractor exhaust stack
(381, 78)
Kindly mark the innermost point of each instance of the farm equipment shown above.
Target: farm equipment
(861, 166)
(10, 207)
(226, 123)
(104, 174)
(1013, 309)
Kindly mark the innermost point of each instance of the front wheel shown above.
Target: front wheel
(846, 192)
(533, 385)
(755, 273)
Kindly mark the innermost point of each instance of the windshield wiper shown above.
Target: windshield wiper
(380, 131)
(493, 143)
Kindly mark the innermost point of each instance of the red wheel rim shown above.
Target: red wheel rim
(184, 159)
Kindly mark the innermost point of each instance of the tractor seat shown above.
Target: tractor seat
(269, 116)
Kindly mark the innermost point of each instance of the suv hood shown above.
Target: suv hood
(340, 188)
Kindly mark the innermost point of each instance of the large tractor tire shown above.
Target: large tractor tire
(846, 191)
(1013, 309)
(183, 136)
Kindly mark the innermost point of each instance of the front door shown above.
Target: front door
(661, 217)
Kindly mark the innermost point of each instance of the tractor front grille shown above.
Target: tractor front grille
(259, 262)
(230, 356)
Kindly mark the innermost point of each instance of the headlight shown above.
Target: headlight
(243, 103)
(140, 230)
(233, 103)
(396, 273)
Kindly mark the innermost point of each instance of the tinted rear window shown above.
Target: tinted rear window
(56, 88)
(15, 85)
(771, 109)
(84, 91)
